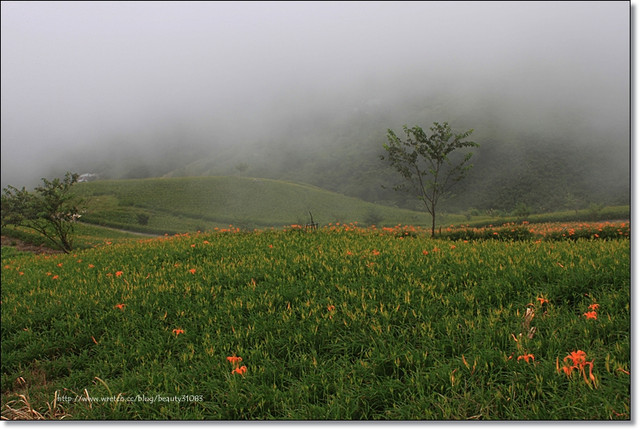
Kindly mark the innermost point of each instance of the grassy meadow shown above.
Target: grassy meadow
(177, 205)
(341, 323)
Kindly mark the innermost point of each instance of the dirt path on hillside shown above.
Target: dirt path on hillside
(136, 233)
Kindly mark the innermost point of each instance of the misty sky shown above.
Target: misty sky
(77, 74)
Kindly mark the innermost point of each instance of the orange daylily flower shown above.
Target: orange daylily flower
(178, 331)
(591, 315)
(594, 307)
(331, 308)
(567, 370)
(120, 306)
(526, 357)
(119, 273)
(579, 362)
(234, 359)
(193, 271)
(239, 370)
(542, 300)
(577, 357)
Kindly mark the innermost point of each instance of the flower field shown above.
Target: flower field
(341, 323)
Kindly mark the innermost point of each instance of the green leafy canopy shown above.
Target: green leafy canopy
(51, 209)
(424, 161)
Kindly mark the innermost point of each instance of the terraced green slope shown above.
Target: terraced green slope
(171, 205)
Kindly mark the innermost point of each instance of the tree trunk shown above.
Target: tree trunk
(433, 220)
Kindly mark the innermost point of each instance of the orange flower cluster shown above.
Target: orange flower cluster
(547, 231)
(240, 370)
(231, 229)
(577, 360)
(592, 314)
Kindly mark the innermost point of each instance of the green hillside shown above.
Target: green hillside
(172, 205)
(546, 161)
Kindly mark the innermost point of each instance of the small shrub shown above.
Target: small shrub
(143, 219)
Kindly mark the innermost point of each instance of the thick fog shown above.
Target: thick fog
(94, 77)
